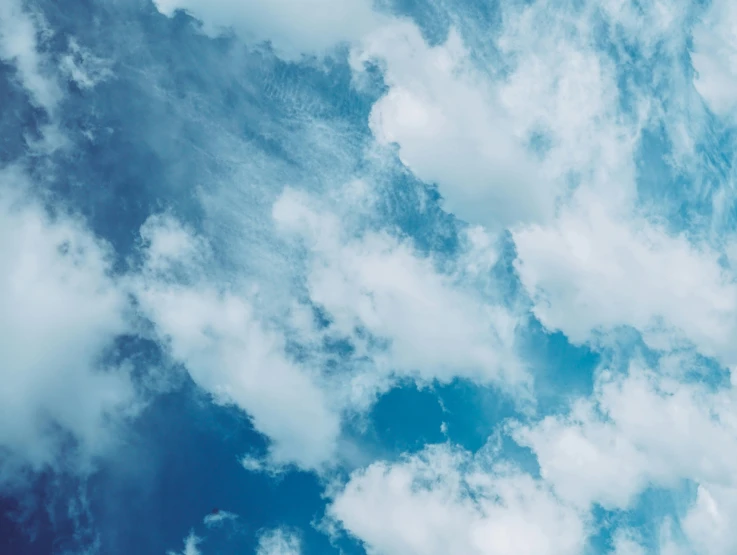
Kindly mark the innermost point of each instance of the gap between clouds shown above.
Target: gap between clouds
(377, 295)
(642, 429)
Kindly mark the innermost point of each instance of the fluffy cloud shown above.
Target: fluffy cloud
(279, 542)
(19, 32)
(640, 429)
(503, 143)
(710, 523)
(191, 546)
(403, 317)
(595, 269)
(440, 502)
(433, 328)
(714, 57)
(228, 351)
(626, 543)
(60, 310)
(563, 97)
(292, 26)
(647, 428)
(451, 129)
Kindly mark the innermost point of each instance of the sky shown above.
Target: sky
(381, 277)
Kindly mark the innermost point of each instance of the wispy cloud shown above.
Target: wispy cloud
(279, 542)
(61, 311)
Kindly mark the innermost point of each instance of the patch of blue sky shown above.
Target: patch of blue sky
(183, 462)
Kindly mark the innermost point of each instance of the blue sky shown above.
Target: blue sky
(350, 276)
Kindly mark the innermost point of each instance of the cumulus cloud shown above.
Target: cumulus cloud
(626, 542)
(710, 523)
(451, 129)
(563, 97)
(504, 142)
(714, 57)
(228, 351)
(640, 429)
(403, 317)
(60, 310)
(440, 501)
(279, 542)
(595, 269)
(19, 34)
(431, 327)
(191, 546)
(292, 26)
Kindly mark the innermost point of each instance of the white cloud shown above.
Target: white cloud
(434, 328)
(218, 518)
(440, 502)
(279, 542)
(714, 57)
(19, 33)
(292, 26)
(228, 351)
(59, 311)
(83, 67)
(563, 89)
(711, 522)
(504, 141)
(191, 544)
(639, 430)
(626, 542)
(595, 269)
(451, 128)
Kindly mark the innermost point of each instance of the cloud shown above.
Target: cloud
(19, 34)
(60, 310)
(595, 269)
(440, 501)
(564, 96)
(228, 350)
(713, 57)
(710, 523)
(451, 129)
(428, 326)
(625, 542)
(641, 429)
(292, 26)
(506, 129)
(82, 67)
(403, 318)
(218, 518)
(279, 542)
(191, 544)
